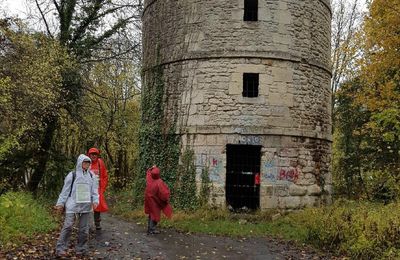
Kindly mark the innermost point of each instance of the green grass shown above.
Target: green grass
(214, 221)
(21, 217)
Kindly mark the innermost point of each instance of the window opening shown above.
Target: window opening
(250, 10)
(250, 84)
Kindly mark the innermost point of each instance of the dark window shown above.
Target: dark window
(250, 85)
(250, 10)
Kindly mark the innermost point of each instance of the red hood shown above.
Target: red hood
(155, 173)
(94, 150)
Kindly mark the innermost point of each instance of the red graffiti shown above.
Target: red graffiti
(288, 175)
(214, 162)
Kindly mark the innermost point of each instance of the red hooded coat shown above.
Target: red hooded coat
(156, 196)
(98, 168)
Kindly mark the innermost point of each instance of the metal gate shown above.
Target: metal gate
(243, 163)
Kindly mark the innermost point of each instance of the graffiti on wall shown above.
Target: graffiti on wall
(215, 169)
(289, 174)
(278, 170)
(248, 139)
(270, 169)
(214, 164)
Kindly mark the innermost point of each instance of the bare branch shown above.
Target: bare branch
(44, 19)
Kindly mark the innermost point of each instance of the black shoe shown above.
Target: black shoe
(98, 227)
(154, 232)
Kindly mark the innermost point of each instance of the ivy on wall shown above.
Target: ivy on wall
(186, 182)
(158, 142)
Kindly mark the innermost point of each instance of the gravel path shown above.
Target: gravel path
(120, 239)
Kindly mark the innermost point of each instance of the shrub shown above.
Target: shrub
(362, 230)
(22, 217)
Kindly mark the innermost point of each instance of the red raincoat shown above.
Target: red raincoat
(98, 167)
(156, 196)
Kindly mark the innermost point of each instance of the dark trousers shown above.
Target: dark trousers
(97, 219)
(151, 225)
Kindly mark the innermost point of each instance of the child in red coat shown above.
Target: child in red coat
(156, 199)
(99, 169)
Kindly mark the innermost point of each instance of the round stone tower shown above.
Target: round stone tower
(248, 83)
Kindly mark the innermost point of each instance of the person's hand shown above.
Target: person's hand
(95, 205)
(59, 209)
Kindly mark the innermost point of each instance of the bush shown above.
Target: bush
(362, 230)
(21, 217)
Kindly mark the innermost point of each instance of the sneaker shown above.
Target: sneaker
(98, 227)
(154, 232)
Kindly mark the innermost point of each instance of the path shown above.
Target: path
(124, 240)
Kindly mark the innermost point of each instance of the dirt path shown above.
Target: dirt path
(124, 240)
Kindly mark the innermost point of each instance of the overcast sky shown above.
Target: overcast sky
(14, 7)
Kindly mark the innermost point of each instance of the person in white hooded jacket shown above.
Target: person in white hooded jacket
(78, 197)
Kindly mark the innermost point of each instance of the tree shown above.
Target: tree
(84, 28)
(31, 66)
(380, 73)
(367, 146)
(114, 109)
(346, 17)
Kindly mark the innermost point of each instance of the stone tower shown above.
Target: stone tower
(248, 82)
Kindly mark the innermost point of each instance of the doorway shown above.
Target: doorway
(242, 165)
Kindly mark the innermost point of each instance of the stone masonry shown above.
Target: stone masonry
(204, 47)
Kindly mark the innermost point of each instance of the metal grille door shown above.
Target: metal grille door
(243, 163)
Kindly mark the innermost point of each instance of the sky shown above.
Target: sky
(14, 7)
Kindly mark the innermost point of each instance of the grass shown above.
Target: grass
(22, 217)
(214, 221)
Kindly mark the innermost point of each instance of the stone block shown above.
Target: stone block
(281, 190)
(296, 190)
(314, 190)
(282, 74)
(292, 202)
(268, 202)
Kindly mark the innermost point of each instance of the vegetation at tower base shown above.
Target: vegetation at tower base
(186, 183)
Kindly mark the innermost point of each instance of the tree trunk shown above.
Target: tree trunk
(43, 155)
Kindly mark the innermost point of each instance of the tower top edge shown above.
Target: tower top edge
(149, 3)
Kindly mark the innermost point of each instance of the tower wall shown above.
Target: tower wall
(204, 47)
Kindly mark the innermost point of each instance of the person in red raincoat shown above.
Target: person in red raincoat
(99, 169)
(156, 199)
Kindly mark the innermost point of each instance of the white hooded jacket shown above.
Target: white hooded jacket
(84, 179)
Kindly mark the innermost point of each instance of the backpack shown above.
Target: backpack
(73, 180)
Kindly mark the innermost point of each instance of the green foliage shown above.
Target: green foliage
(366, 148)
(205, 188)
(359, 229)
(121, 203)
(348, 155)
(159, 143)
(22, 217)
(31, 66)
(185, 194)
